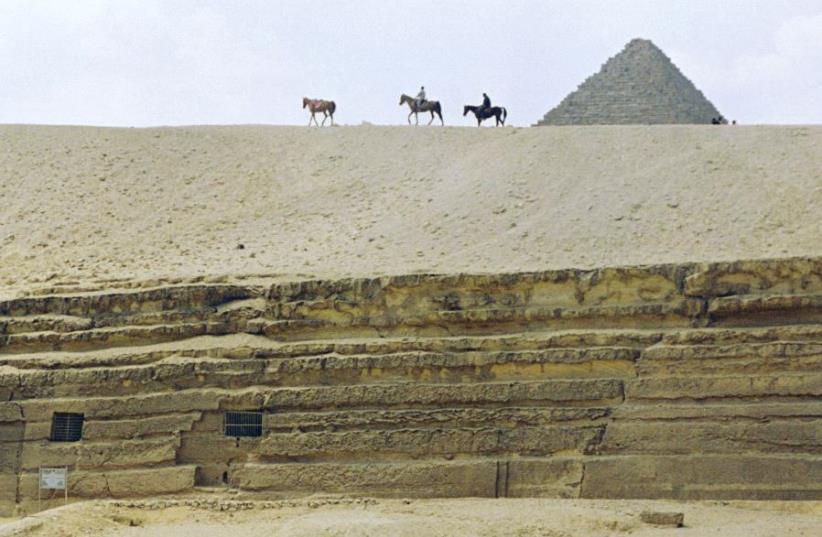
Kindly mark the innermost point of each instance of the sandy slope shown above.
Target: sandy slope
(426, 518)
(85, 203)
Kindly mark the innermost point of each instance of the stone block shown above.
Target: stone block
(738, 387)
(83, 455)
(422, 479)
(543, 478)
(139, 428)
(406, 394)
(146, 405)
(689, 437)
(700, 477)
(8, 492)
(410, 418)
(663, 518)
(117, 484)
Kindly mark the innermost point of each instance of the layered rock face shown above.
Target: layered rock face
(638, 86)
(683, 381)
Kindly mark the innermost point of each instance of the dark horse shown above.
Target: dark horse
(498, 112)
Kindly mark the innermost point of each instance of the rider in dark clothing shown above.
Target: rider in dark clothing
(486, 103)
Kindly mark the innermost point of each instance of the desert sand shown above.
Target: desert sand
(416, 518)
(83, 205)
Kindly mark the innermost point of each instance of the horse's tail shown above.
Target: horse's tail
(332, 107)
(438, 109)
(504, 115)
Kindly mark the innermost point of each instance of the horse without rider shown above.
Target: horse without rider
(318, 105)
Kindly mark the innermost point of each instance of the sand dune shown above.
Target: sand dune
(87, 204)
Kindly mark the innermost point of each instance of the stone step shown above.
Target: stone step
(798, 275)
(131, 483)
(718, 412)
(352, 343)
(738, 335)
(134, 428)
(686, 437)
(133, 407)
(702, 476)
(230, 346)
(421, 443)
(667, 314)
(44, 323)
(421, 394)
(440, 417)
(694, 388)
(100, 455)
(588, 392)
(554, 393)
(244, 344)
(738, 358)
(421, 479)
(117, 303)
(774, 309)
(236, 313)
(99, 338)
(178, 372)
(394, 444)
(681, 313)
(39, 344)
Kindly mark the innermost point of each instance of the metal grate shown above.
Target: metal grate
(243, 423)
(66, 427)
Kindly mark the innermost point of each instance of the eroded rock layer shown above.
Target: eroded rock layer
(673, 381)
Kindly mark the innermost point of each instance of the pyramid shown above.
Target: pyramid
(640, 85)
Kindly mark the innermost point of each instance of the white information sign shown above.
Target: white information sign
(53, 478)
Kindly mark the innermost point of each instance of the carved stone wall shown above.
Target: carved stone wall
(683, 381)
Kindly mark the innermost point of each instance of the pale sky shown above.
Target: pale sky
(177, 62)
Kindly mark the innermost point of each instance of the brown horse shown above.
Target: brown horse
(318, 105)
(427, 106)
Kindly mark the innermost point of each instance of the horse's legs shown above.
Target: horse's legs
(409, 116)
(432, 117)
(325, 116)
(332, 118)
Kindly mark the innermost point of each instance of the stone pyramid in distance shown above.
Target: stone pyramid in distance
(640, 85)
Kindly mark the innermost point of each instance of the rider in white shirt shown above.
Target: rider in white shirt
(420, 98)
